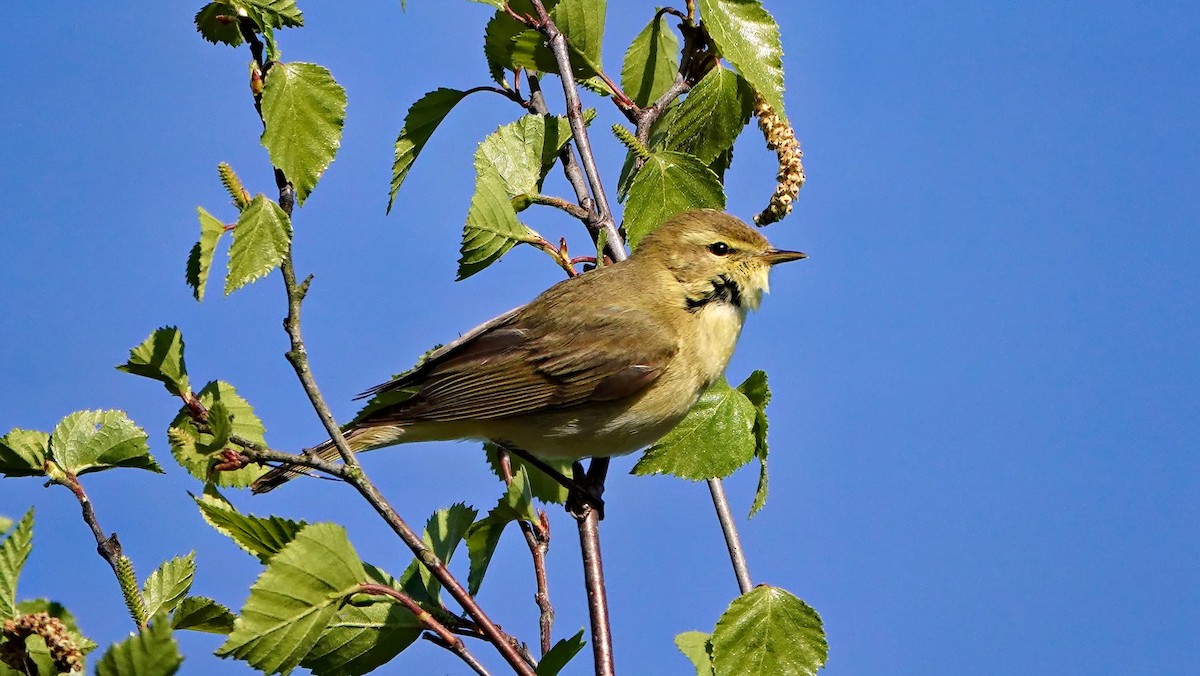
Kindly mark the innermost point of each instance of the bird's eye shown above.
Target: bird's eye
(719, 248)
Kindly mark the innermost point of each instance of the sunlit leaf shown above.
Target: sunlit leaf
(90, 441)
(748, 37)
(260, 240)
(160, 357)
(303, 109)
(201, 257)
(14, 550)
(696, 647)
(193, 449)
(651, 63)
(168, 584)
(560, 654)
(263, 537)
(769, 631)
(709, 120)
(714, 439)
(419, 124)
(24, 452)
(668, 184)
(198, 613)
(484, 535)
(153, 652)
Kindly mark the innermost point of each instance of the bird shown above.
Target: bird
(600, 364)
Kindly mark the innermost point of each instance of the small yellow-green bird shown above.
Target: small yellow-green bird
(598, 365)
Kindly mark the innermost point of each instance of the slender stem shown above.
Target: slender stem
(736, 554)
(593, 576)
(537, 536)
(560, 203)
(446, 638)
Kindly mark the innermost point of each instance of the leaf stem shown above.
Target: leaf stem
(537, 536)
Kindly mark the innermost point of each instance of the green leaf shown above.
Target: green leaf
(24, 452)
(295, 599)
(419, 124)
(444, 530)
(263, 537)
(497, 44)
(13, 553)
(696, 647)
(651, 63)
(492, 227)
(5, 524)
(769, 631)
(545, 487)
(668, 184)
(90, 441)
(160, 357)
(199, 613)
(365, 634)
(303, 109)
(756, 390)
(260, 241)
(581, 21)
(215, 31)
(193, 449)
(272, 13)
(714, 439)
(201, 257)
(152, 652)
(168, 584)
(561, 653)
(748, 37)
(36, 647)
(709, 120)
(484, 535)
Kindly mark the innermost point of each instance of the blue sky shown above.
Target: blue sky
(984, 429)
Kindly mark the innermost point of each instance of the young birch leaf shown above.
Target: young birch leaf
(497, 45)
(152, 652)
(695, 645)
(14, 550)
(168, 584)
(160, 357)
(90, 441)
(260, 241)
(561, 653)
(444, 530)
(582, 22)
(273, 13)
(201, 257)
(215, 31)
(304, 109)
(709, 120)
(669, 183)
(295, 599)
(263, 537)
(230, 415)
(365, 635)
(769, 631)
(651, 63)
(545, 487)
(24, 452)
(419, 124)
(484, 535)
(199, 613)
(756, 390)
(492, 227)
(714, 439)
(748, 37)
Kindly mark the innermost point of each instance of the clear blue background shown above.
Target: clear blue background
(984, 429)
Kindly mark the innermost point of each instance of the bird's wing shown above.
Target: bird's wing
(524, 362)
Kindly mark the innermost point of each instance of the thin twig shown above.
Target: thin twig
(593, 574)
(537, 536)
(446, 638)
(560, 203)
(736, 554)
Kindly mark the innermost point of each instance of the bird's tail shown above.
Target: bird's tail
(285, 473)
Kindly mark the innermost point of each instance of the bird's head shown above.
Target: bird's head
(715, 257)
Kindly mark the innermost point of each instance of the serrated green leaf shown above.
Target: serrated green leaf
(419, 124)
(295, 599)
(24, 452)
(668, 184)
(651, 63)
(220, 424)
(582, 22)
(714, 439)
(492, 227)
(201, 257)
(90, 441)
(545, 487)
(303, 109)
(152, 652)
(199, 613)
(13, 553)
(443, 531)
(696, 647)
(497, 44)
(193, 449)
(769, 631)
(270, 14)
(168, 584)
(560, 654)
(215, 31)
(263, 537)
(160, 357)
(36, 646)
(748, 37)
(756, 390)
(712, 116)
(365, 634)
(260, 241)
(484, 535)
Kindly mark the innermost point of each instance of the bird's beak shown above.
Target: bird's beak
(774, 256)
